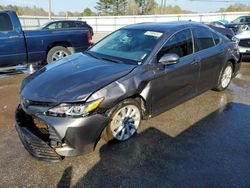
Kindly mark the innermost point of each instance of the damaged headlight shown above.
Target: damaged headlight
(75, 109)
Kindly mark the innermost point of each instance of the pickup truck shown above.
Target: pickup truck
(22, 47)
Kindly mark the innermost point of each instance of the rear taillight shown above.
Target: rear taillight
(89, 37)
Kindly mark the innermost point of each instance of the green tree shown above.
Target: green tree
(104, 7)
(25, 10)
(111, 7)
(132, 8)
(175, 10)
(119, 7)
(236, 8)
(87, 12)
(146, 6)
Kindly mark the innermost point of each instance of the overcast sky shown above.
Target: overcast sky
(79, 5)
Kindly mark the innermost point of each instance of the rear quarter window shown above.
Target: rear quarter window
(203, 39)
(81, 24)
(5, 23)
(69, 25)
(217, 39)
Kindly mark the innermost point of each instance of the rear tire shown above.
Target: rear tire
(57, 53)
(125, 118)
(225, 77)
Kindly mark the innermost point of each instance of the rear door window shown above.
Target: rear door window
(5, 23)
(69, 25)
(203, 39)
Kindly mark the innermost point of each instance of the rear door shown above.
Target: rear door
(211, 53)
(12, 43)
(177, 82)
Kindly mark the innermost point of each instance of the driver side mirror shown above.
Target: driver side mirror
(169, 59)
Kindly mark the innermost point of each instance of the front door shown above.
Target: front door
(175, 83)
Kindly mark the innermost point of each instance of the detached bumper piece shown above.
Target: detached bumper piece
(35, 139)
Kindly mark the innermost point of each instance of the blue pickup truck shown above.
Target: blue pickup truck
(21, 47)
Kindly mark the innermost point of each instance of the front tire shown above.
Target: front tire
(125, 118)
(57, 53)
(225, 77)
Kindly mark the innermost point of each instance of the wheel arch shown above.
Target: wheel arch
(143, 104)
(232, 60)
(144, 112)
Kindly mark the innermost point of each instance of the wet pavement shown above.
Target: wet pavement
(204, 142)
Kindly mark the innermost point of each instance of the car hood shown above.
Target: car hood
(232, 25)
(243, 35)
(72, 79)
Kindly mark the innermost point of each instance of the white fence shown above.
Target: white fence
(111, 23)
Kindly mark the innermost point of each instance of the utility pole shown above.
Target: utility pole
(165, 4)
(49, 9)
(161, 7)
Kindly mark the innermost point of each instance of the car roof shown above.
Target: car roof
(164, 26)
(66, 21)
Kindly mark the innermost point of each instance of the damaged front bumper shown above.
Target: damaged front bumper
(51, 138)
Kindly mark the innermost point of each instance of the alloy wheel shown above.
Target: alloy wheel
(125, 122)
(59, 55)
(227, 76)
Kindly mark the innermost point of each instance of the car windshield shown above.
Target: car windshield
(42, 26)
(127, 45)
(238, 20)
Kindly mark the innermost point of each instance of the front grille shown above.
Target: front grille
(25, 103)
(37, 137)
(245, 43)
(37, 147)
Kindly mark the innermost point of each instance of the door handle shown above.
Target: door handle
(13, 37)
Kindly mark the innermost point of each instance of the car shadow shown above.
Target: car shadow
(65, 180)
(214, 152)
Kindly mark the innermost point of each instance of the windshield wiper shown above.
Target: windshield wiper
(110, 59)
(103, 58)
(91, 54)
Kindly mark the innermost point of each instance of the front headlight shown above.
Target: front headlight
(75, 109)
(235, 39)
